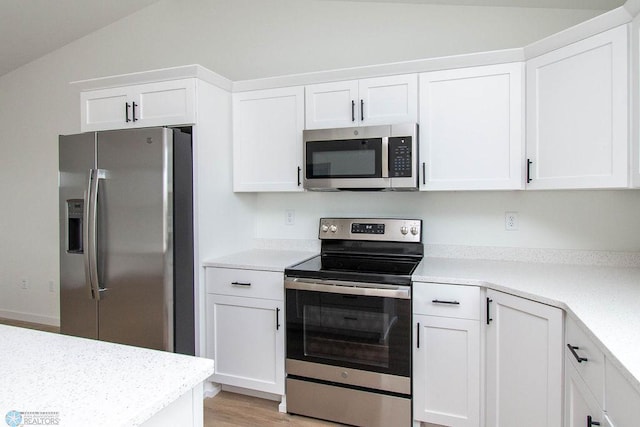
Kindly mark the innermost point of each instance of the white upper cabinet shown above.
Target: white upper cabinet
(577, 114)
(471, 128)
(267, 139)
(374, 101)
(163, 103)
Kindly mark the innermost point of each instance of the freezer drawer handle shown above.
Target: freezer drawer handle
(591, 423)
(241, 284)
(573, 349)
(437, 301)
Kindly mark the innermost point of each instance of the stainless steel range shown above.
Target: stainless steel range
(348, 314)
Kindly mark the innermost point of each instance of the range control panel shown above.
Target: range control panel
(384, 229)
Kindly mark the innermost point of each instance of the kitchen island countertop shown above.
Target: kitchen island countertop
(86, 382)
(605, 300)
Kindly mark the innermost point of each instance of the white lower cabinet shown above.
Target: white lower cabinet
(581, 407)
(245, 334)
(446, 355)
(595, 390)
(524, 362)
(622, 400)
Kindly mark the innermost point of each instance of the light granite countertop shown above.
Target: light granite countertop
(88, 382)
(261, 259)
(605, 300)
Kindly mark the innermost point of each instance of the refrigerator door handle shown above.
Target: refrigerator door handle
(96, 176)
(85, 234)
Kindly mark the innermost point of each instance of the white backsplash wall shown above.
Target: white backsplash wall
(580, 220)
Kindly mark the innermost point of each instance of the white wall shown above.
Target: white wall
(584, 220)
(243, 39)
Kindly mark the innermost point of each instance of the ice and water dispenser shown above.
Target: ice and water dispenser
(75, 208)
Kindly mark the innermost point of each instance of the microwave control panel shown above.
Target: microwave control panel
(400, 156)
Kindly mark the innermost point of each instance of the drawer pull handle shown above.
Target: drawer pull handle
(573, 349)
(437, 301)
(489, 319)
(418, 335)
(240, 284)
(591, 423)
(277, 318)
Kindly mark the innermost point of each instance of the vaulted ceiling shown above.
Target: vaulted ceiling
(30, 29)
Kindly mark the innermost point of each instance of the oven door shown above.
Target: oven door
(364, 331)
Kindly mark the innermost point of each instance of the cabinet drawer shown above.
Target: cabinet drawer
(245, 283)
(437, 299)
(592, 369)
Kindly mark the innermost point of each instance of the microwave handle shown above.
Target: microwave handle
(385, 157)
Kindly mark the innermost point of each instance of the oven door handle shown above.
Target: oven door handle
(349, 288)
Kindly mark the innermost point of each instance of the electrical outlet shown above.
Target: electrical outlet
(289, 217)
(24, 283)
(511, 221)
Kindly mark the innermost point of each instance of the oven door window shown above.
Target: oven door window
(361, 332)
(350, 158)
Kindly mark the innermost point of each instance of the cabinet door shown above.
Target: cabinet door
(622, 399)
(105, 109)
(388, 100)
(165, 103)
(471, 128)
(524, 363)
(579, 402)
(246, 339)
(267, 140)
(446, 375)
(332, 105)
(577, 106)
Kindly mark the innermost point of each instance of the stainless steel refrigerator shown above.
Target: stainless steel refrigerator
(126, 237)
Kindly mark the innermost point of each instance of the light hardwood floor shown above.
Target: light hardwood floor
(225, 409)
(236, 410)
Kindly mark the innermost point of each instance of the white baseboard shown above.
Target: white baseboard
(30, 317)
(253, 393)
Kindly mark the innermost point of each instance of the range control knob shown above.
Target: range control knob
(414, 230)
(324, 228)
(333, 228)
(404, 230)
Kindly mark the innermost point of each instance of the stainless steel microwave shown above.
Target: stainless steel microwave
(361, 158)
